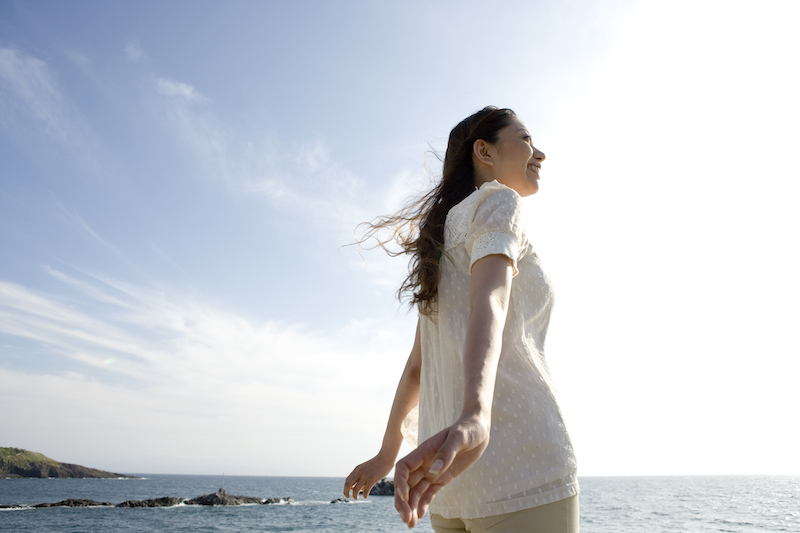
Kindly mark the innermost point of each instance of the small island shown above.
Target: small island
(19, 463)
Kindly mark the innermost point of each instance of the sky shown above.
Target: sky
(181, 184)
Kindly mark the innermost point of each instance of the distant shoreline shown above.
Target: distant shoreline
(17, 463)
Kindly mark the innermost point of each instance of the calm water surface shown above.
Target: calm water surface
(739, 504)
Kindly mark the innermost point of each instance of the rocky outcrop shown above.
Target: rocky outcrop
(222, 498)
(19, 463)
(74, 503)
(383, 487)
(285, 499)
(166, 501)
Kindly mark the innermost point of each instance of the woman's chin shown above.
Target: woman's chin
(531, 189)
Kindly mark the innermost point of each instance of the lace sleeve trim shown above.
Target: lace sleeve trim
(496, 242)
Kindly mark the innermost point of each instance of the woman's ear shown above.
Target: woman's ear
(480, 151)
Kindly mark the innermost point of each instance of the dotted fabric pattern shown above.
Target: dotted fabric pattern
(530, 460)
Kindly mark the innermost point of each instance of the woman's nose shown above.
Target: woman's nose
(538, 154)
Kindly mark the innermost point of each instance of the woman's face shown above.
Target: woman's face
(516, 163)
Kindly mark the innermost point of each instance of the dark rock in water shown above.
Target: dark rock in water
(222, 498)
(383, 487)
(74, 503)
(285, 499)
(166, 501)
(339, 500)
(12, 506)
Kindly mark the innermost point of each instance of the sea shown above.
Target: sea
(607, 505)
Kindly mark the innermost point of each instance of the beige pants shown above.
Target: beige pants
(557, 517)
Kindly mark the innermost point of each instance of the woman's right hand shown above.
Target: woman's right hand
(364, 476)
(436, 462)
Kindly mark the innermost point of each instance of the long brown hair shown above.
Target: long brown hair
(418, 228)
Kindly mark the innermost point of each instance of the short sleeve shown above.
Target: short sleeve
(497, 225)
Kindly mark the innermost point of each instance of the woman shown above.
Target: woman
(494, 451)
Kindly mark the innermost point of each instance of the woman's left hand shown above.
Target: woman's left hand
(435, 463)
(364, 476)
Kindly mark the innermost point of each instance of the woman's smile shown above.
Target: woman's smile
(510, 154)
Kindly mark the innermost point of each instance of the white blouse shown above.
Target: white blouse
(529, 460)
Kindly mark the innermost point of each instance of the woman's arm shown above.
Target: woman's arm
(437, 461)
(365, 475)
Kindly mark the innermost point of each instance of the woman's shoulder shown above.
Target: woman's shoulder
(493, 192)
(495, 187)
(491, 198)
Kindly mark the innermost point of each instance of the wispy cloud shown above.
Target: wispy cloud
(179, 89)
(79, 223)
(28, 79)
(302, 177)
(32, 104)
(165, 351)
(133, 51)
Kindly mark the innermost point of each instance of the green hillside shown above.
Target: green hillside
(20, 457)
(19, 463)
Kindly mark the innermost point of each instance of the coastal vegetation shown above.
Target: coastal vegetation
(19, 463)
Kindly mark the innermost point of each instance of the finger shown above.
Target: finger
(454, 443)
(367, 489)
(443, 460)
(415, 477)
(421, 511)
(401, 480)
(414, 519)
(351, 480)
(348, 484)
(427, 498)
(424, 451)
(416, 493)
(415, 459)
(402, 508)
